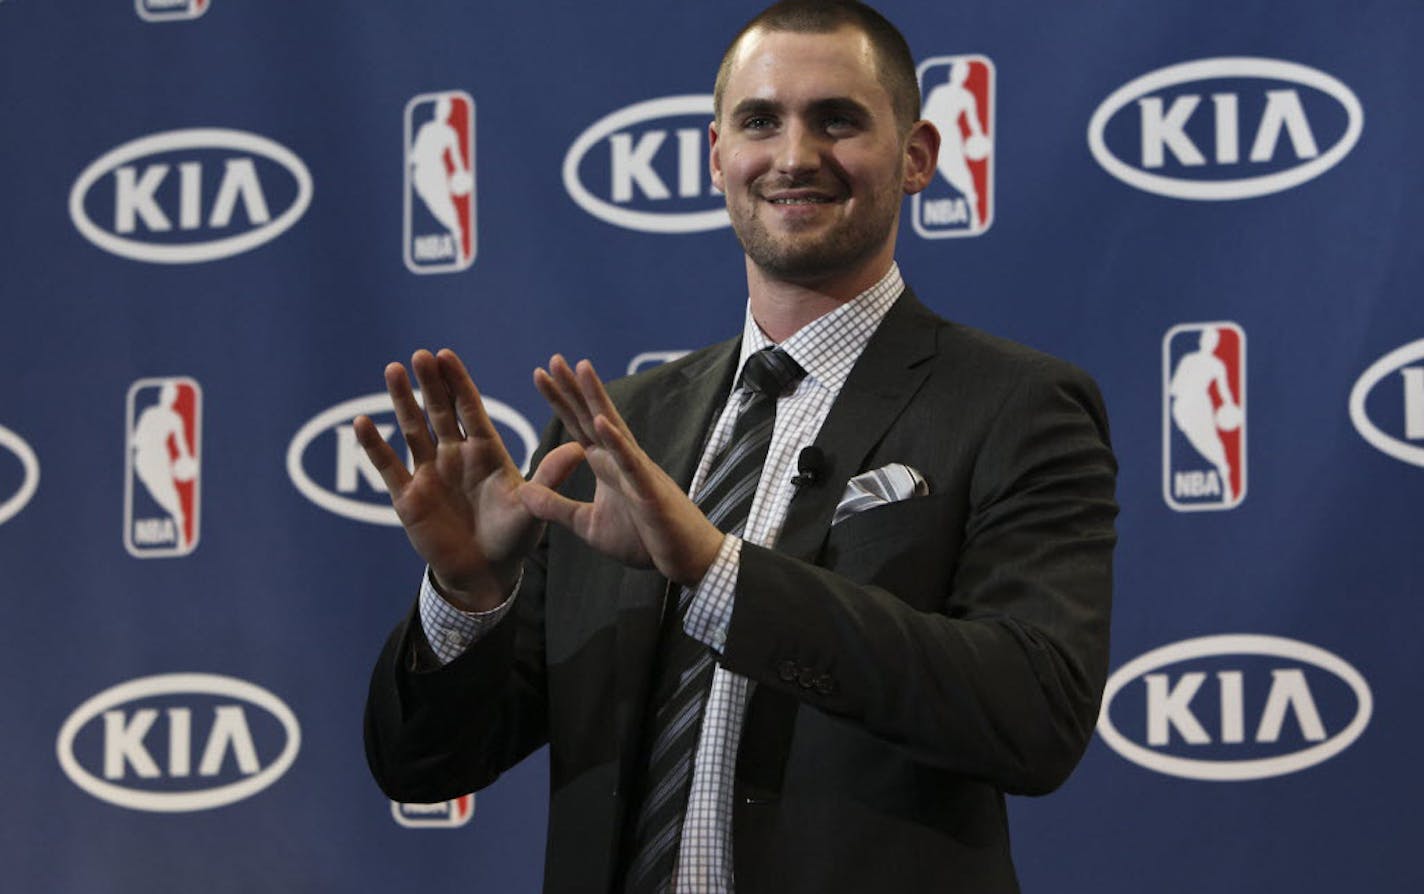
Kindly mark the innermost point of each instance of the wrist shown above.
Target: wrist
(480, 595)
(703, 554)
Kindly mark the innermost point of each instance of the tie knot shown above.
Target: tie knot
(771, 371)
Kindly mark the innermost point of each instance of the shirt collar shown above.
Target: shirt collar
(828, 346)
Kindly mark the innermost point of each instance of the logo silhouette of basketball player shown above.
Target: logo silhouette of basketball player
(154, 461)
(1192, 409)
(436, 183)
(946, 105)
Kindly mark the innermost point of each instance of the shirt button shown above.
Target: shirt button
(824, 684)
(786, 670)
(453, 639)
(806, 678)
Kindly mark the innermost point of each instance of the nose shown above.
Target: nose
(800, 149)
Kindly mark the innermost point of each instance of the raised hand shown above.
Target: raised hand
(639, 515)
(460, 506)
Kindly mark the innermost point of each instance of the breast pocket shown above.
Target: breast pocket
(908, 548)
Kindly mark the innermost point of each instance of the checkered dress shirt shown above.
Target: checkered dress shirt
(826, 348)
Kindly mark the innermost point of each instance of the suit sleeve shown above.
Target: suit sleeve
(995, 671)
(436, 732)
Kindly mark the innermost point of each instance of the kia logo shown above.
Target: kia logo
(1380, 381)
(1217, 129)
(30, 480)
(178, 742)
(188, 196)
(326, 449)
(1234, 707)
(655, 167)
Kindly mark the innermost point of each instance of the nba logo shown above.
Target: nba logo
(163, 454)
(169, 10)
(1204, 416)
(958, 96)
(450, 814)
(440, 182)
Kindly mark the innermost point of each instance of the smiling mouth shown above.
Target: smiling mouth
(803, 200)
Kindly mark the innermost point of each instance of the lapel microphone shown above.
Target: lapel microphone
(810, 466)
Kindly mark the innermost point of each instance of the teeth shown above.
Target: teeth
(802, 201)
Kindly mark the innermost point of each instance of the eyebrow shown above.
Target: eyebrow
(832, 104)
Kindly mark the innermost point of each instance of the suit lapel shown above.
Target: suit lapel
(671, 419)
(680, 414)
(888, 374)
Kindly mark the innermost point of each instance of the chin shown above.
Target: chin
(807, 266)
(810, 258)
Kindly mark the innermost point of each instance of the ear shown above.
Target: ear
(921, 155)
(714, 162)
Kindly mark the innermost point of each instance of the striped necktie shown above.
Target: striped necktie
(684, 668)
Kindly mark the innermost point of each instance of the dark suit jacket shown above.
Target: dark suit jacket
(913, 663)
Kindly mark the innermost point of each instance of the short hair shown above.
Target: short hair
(894, 63)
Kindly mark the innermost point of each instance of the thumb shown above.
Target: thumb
(538, 494)
(549, 505)
(557, 465)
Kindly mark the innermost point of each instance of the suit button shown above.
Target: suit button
(786, 670)
(824, 684)
(807, 678)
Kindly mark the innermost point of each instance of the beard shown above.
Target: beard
(817, 252)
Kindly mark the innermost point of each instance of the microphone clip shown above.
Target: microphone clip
(810, 467)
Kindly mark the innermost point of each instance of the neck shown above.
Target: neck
(782, 307)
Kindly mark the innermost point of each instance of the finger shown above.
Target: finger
(568, 386)
(408, 414)
(438, 403)
(382, 456)
(597, 399)
(554, 395)
(467, 401)
(638, 471)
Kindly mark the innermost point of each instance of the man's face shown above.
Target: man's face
(812, 161)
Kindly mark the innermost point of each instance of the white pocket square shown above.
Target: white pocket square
(887, 484)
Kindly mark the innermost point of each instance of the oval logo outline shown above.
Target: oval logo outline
(31, 466)
(1377, 437)
(370, 404)
(1225, 67)
(644, 221)
(1252, 768)
(190, 138)
(177, 684)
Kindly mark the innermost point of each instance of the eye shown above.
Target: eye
(758, 122)
(838, 123)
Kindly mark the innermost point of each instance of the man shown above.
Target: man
(929, 630)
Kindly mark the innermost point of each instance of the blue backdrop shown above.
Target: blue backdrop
(220, 219)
